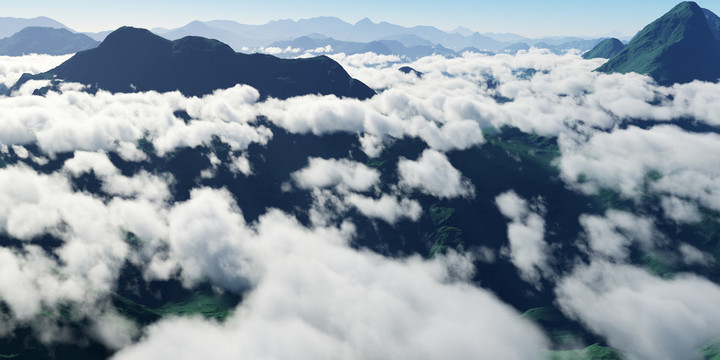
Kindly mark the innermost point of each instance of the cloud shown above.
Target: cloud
(12, 67)
(612, 234)
(74, 120)
(644, 316)
(205, 238)
(624, 160)
(306, 292)
(142, 185)
(346, 178)
(318, 298)
(433, 174)
(526, 233)
(322, 173)
(387, 207)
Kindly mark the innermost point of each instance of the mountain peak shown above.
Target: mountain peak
(364, 22)
(679, 47)
(605, 49)
(128, 36)
(462, 30)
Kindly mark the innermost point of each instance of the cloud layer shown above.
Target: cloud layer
(306, 291)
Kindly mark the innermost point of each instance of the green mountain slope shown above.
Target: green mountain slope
(714, 23)
(679, 47)
(605, 49)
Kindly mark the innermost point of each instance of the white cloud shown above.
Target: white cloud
(386, 207)
(623, 159)
(644, 316)
(434, 175)
(680, 210)
(75, 120)
(526, 234)
(322, 173)
(205, 238)
(142, 185)
(612, 234)
(318, 298)
(12, 67)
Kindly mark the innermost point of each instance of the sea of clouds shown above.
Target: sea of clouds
(306, 292)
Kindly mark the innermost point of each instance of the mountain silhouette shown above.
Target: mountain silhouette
(11, 25)
(605, 49)
(409, 70)
(679, 47)
(132, 59)
(45, 40)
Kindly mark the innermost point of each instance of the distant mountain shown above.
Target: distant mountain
(606, 49)
(262, 35)
(679, 47)
(305, 44)
(409, 40)
(132, 59)
(98, 36)
(507, 37)
(198, 28)
(364, 30)
(560, 48)
(44, 40)
(463, 31)
(514, 48)
(10, 25)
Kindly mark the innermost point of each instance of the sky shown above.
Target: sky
(524, 17)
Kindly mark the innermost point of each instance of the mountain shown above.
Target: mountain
(409, 70)
(409, 40)
(462, 30)
(10, 25)
(606, 49)
(364, 30)
(277, 30)
(132, 59)
(507, 37)
(558, 48)
(305, 44)
(679, 47)
(198, 28)
(514, 48)
(45, 40)
(713, 22)
(98, 36)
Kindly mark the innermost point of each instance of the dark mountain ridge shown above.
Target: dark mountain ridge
(132, 59)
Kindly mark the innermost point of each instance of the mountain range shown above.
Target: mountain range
(243, 37)
(132, 59)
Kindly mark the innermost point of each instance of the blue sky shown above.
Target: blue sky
(525, 17)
